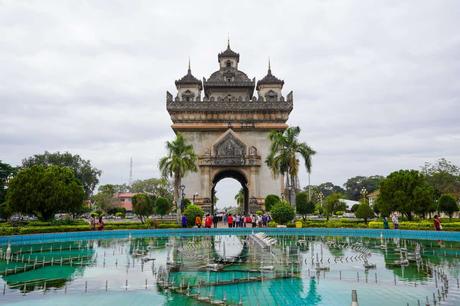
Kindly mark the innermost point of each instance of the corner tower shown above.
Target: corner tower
(228, 127)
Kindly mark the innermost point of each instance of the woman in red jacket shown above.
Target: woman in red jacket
(208, 221)
(230, 220)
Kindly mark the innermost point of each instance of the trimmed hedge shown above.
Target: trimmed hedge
(36, 229)
(418, 225)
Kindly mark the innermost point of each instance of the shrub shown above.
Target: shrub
(152, 223)
(162, 206)
(259, 213)
(282, 212)
(354, 208)
(364, 211)
(272, 224)
(142, 206)
(270, 201)
(191, 212)
(168, 225)
(448, 204)
(303, 205)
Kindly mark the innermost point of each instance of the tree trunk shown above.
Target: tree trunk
(177, 182)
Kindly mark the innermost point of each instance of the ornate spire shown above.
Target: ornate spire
(228, 40)
(189, 78)
(270, 79)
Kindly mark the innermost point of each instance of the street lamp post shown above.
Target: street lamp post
(194, 196)
(364, 193)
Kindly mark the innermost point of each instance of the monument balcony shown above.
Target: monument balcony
(230, 161)
(226, 105)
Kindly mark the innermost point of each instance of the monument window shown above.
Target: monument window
(228, 64)
(271, 96)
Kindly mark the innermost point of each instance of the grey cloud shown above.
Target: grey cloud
(376, 83)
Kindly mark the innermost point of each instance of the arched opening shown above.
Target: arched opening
(233, 175)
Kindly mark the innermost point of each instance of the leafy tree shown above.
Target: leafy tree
(319, 209)
(142, 206)
(270, 201)
(6, 172)
(364, 211)
(328, 188)
(117, 211)
(162, 206)
(303, 205)
(333, 204)
(180, 159)
(285, 152)
(84, 172)
(104, 199)
(282, 212)
(423, 200)
(443, 176)
(187, 202)
(354, 208)
(448, 204)
(158, 187)
(405, 191)
(354, 185)
(45, 191)
(191, 212)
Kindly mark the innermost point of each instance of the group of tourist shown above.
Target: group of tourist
(395, 220)
(230, 220)
(246, 221)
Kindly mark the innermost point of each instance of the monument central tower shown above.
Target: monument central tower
(228, 127)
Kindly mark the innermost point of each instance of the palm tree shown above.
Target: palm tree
(239, 197)
(180, 159)
(284, 150)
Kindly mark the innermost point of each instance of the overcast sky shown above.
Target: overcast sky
(376, 83)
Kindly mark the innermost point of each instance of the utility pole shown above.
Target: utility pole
(130, 171)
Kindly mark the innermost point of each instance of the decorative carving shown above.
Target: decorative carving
(271, 96)
(289, 97)
(229, 151)
(252, 151)
(188, 96)
(230, 146)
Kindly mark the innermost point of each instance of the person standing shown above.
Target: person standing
(237, 220)
(385, 223)
(215, 219)
(208, 221)
(184, 221)
(254, 221)
(198, 221)
(395, 221)
(437, 223)
(100, 224)
(264, 220)
(230, 220)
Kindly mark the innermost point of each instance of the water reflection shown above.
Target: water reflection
(252, 270)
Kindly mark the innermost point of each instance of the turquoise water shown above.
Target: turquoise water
(231, 269)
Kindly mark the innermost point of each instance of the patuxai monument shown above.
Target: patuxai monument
(227, 118)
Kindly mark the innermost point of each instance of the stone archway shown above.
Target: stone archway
(234, 174)
(228, 118)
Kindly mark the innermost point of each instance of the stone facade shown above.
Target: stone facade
(228, 128)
